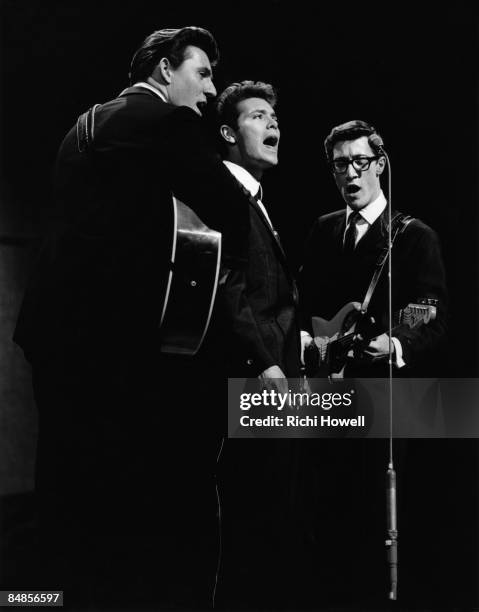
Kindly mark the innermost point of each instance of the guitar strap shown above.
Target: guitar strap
(398, 224)
(86, 129)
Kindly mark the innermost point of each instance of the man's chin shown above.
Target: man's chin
(352, 202)
(195, 109)
(271, 160)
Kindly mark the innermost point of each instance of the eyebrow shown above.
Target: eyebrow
(357, 156)
(263, 111)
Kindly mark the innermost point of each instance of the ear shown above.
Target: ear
(228, 134)
(162, 71)
(380, 165)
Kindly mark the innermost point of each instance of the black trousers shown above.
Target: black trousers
(125, 482)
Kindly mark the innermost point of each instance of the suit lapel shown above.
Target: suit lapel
(267, 225)
(254, 204)
(259, 213)
(337, 233)
(376, 236)
(340, 228)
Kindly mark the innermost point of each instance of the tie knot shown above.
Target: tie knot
(259, 194)
(354, 217)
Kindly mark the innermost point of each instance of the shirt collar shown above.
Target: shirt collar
(244, 177)
(372, 211)
(151, 88)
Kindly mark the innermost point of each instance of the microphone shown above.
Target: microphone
(376, 141)
(391, 542)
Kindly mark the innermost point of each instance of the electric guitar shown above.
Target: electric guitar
(192, 282)
(338, 338)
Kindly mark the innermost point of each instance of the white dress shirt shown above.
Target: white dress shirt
(367, 216)
(150, 87)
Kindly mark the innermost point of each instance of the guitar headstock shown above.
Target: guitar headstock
(423, 311)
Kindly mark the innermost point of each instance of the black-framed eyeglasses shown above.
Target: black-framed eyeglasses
(360, 164)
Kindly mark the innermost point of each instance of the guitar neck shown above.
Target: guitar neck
(414, 315)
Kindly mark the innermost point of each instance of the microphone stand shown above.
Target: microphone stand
(391, 508)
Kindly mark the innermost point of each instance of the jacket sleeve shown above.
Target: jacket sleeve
(249, 353)
(427, 279)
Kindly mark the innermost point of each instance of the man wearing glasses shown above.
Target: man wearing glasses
(341, 256)
(343, 250)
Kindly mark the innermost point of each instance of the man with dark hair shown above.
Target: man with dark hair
(170, 43)
(125, 477)
(226, 104)
(257, 488)
(250, 138)
(351, 241)
(341, 256)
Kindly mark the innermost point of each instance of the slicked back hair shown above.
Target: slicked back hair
(226, 103)
(170, 43)
(350, 130)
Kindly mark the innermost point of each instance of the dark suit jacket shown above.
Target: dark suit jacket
(267, 305)
(101, 277)
(129, 438)
(329, 279)
(256, 477)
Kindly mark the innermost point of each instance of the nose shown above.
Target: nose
(351, 171)
(273, 122)
(210, 89)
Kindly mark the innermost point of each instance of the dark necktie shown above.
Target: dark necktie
(351, 232)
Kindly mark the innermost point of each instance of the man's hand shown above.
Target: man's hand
(274, 379)
(306, 342)
(378, 348)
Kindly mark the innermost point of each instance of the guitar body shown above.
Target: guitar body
(342, 322)
(342, 325)
(192, 282)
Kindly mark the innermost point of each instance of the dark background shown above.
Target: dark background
(411, 70)
(408, 68)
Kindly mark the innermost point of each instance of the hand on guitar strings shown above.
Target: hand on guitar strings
(307, 343)
(311, 355)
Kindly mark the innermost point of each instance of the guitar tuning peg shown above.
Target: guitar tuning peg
(428, 301)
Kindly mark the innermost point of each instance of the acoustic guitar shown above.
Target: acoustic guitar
(194, 267)
(192, 282)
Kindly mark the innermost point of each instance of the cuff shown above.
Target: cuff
(399, 361)
(306, 338)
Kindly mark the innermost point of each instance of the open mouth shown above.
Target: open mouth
(350, 189)
(271, 141)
